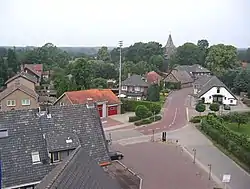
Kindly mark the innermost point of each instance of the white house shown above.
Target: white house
(213, 90)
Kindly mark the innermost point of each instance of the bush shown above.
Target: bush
(133, 119)
(215, 107)
(155, 118)
(130, 105)
(142, 111)
(155, 108)
(196, 119)
(200, 107)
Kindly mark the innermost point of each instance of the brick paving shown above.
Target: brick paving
(109, 122)
(164, 166)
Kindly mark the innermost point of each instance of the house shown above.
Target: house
(19, 93)
(33, 142)
(194, 70)
(179, 76)
(107, 102)
(35, 70)
(78, 171)
(153, 77)
(135, 87)
(210, 89)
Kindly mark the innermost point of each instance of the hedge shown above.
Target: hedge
(130, 105)
(133, 119)
(236, 143)
(148, 120)
(196, 119)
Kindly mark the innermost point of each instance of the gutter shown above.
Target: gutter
(140, 186)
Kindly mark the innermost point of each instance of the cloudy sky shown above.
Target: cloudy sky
(105, 22)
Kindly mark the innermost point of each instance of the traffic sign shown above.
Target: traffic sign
(226, 178)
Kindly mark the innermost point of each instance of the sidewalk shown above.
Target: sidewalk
(206, 153)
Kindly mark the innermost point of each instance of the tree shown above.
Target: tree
(187, 54)
(12, 61)
(221, 58)
(103, 54)
(82, 73)
(141, 111)
(155, 108)
(99, 83)
(229, 77)
(3, 71)
(153, 93)
(157, 61)
(215, 107)
(200, 108)
(241, 81)
(239, 119)
(203, 45)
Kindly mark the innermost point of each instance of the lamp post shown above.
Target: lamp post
(153, 136)
(210, 169)
(120, 68)
(194, 150)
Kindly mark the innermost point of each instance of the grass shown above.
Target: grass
(243, 129)
(226, 152)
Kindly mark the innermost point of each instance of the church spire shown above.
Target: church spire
(170, 47)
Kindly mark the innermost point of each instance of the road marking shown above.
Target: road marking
(170, 125)
(157, 128)
(187, 114)
(174, 116)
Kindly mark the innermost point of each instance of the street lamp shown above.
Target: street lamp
(209, 174)
(194, 150)
(120, 68)
(153, 136)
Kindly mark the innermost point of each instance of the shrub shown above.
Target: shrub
(215, 107)
(141, 111)
(196, 119)
(155, 108)
(155, 118)
(130, 105)
(143, 122)
(133, 119)
(200, 108)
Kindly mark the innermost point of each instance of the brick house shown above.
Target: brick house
(107, 102)
(35, 70)
(19, 94)
(180, 76)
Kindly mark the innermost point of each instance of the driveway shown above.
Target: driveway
(175, 113)
(164, 166)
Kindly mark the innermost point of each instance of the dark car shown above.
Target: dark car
(116, 155)
(227, 107)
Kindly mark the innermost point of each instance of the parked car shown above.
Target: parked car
(116, 155)
(227, 107)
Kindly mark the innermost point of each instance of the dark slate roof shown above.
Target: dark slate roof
(78, 171)
(27, 132)
(135, 80)
(193, 68)
(24, 75)
(58, 141)
(182, 76)
(213, 82)
(201, 81)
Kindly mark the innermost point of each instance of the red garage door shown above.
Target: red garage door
(112, 110)
(100, 110)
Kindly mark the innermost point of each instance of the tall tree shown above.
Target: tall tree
(153, 93)
(3, 71)
(242, 81)
(203, 45)
(187, 54)
(220, 58)
(157, 61)
(103, 54)
(13, 64)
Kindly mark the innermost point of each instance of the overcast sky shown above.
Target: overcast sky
(105, 22)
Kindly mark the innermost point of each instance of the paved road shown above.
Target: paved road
(175, 113)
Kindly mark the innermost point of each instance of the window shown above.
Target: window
(225, 98)
(55, 157)
(218, 90)
(231, 101)
(210, 97)
(25, 102)
(124, 88)
(137, 89)
(61, 104)
(4, 133)
(35, 157)
(11, 103)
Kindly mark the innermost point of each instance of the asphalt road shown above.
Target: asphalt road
(175, 113)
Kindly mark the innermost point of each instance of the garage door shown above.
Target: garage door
(100, 110)
(112, 110)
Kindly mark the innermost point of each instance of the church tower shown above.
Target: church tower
(169, 50)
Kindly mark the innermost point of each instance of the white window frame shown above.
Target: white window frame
(25, 102)
(124, 88)
(53, 157)
(11, 103)
(61, 103)
(137, 89)
(35, 157)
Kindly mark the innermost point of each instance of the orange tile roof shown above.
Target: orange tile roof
(153, 77)
(98, 95)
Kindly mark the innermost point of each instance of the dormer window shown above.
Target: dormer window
(35, 157)
(4, 133)
(218, 90)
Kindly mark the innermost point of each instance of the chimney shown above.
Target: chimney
(90, 103)
(129, 75)
(48, 113)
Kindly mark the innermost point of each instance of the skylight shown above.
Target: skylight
(4, 133)
(35, 157)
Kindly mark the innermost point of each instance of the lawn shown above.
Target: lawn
(244, 128)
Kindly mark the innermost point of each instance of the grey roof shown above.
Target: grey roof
(213, 82)
(182, 76)
(78, 171)
(24, 75)
(135, 80)
(196, 68)
(26, 130)
(169, 47)
(58, 141)
(201, 81)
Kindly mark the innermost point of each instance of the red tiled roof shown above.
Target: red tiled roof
(153, 77)
(98, 95)
(36, 68)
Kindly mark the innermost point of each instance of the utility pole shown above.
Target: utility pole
(120, 68)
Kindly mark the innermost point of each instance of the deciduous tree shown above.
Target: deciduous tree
(103, 54)
(153, 93)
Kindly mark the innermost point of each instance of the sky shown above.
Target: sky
(105, 22)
